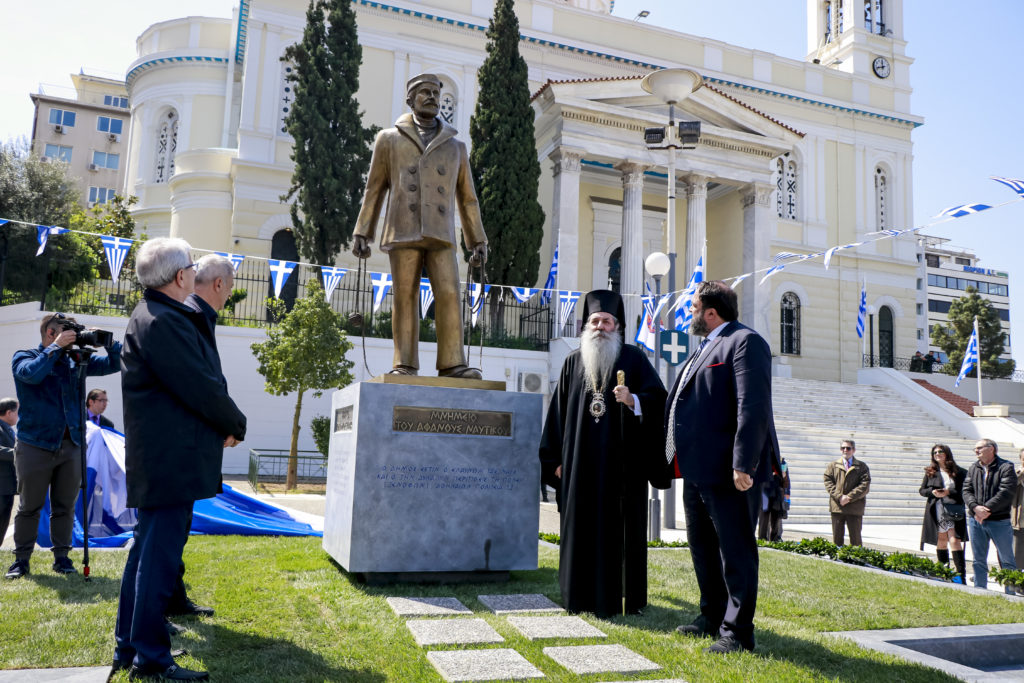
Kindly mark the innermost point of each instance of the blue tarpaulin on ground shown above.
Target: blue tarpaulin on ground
(111, 523)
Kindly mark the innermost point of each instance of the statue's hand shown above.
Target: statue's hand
(479, 255)
(360, 247)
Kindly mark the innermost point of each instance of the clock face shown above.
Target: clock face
(881, 67)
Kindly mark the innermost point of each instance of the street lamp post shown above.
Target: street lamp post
(657, 265)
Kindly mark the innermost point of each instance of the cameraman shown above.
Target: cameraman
(48, 455)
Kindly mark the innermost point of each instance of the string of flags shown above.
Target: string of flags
(116, 250)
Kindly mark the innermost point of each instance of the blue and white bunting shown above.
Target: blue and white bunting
(738, 280)
(783, 255)
(549, 284)
(236, 259)
(279, 272)
(381, 284)
(426, 296)
(43, 233)
(832, 250)
(332, 276)
(961, 210)
(771, 271)
(476, 301)
(862, 310)
(1013, 183)
(4, 221)
(683, 315)
(523, 294)
(116, 249)
(566, 305)
(970, 355)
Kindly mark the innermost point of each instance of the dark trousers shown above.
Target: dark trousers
(147, 584)
(769, 525)
(40, 471)
(720, 530)
(179, 597)
(852, 522)
(6, 505)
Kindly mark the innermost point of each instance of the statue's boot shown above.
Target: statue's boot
(403, 370)
(461, 371)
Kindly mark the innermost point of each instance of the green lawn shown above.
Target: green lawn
(286, 612)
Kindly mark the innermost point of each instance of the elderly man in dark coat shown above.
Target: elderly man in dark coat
(424, 171)
(178, 419)
(603, 441)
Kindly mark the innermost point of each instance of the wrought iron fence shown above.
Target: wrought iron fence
(503, 322)
(271, 466)
(919, 365)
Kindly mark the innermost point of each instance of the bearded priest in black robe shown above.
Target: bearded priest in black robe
(603, 441)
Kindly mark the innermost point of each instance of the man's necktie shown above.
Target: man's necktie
(670, 437)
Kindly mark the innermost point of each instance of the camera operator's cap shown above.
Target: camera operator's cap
(422, 78)
(58, 318)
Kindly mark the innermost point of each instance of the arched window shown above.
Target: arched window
(786, 187)
(789, 324)
(166, 146)
(874, 17)
(885, 337)
(282, 247)
(828, 22)
(615, 269)
(881, 199)
(447, 111)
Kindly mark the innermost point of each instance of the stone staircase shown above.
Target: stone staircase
(893, 437)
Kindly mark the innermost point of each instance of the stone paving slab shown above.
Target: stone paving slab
(78, 674)
(519, 602)
(427, 607)
(483, 665)
(538, 628)
(452, 632)
(592, 659)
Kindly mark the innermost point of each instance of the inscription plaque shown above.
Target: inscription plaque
(343, 419)
(452, 421)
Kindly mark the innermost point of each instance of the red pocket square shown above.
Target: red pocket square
(714, 365)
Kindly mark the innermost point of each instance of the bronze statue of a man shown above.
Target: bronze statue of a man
(426, 171)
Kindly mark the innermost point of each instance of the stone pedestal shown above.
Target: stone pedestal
(429, 479)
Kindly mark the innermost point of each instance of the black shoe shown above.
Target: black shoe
(727, 644)
(117, 665)
(17, 570)
(189, 609)
(698, 629)
(171, 673)
(63, 565)
(172, 628)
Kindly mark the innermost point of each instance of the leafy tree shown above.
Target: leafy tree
(332, 149)
(953, 338)
(304, 351)
(504, 156)
(42, 193)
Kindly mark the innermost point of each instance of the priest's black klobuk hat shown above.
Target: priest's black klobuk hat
(605, 301)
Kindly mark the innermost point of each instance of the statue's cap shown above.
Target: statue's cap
(422, 78)
(604, 301)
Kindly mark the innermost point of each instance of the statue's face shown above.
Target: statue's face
(424, 100)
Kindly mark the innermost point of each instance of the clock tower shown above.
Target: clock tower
(862, 37)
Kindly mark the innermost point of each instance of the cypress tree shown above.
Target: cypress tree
(504, 156)
(332, 149)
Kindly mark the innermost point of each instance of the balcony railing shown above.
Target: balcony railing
(918, 365)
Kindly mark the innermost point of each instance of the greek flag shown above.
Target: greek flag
(279, 272)
(862, 311)
(523, 294)
(970, 355)
(236, 259)
(683, 315)
(1012, 183)
(549, 284)
(426, 296)
(116, 249)
(476, 301)
(645, 333)
(43, 233)
(771, 271)
(332, 276)
(566, 305)
(962, 210)
(381, 284)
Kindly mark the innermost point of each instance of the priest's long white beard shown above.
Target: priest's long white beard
(599, 351)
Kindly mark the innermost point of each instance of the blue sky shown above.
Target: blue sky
(966, 79)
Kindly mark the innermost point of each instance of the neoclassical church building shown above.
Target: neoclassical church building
(793, 156)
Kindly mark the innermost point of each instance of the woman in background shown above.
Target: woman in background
(945, 521)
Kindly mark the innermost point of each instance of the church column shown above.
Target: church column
(631, 280)
(696, 233)
(565, 218)
(757, 234)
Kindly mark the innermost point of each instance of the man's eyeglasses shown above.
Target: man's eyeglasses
(978, 449)
(845, 448)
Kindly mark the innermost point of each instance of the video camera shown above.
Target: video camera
(84, 337)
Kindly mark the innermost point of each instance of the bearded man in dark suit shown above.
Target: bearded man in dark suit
(720, 439)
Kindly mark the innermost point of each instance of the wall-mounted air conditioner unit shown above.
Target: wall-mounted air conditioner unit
(58, 129)
(531, 382)
(114, 137)
(45, 160)
(93, 167)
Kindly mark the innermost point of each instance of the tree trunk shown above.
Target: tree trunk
(291, 482)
